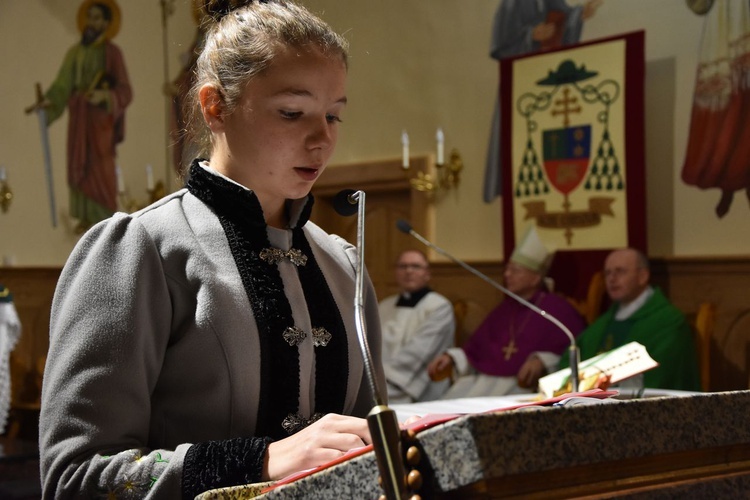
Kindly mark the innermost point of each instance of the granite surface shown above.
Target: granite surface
(481, 446)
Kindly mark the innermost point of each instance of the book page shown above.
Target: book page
(618, 364)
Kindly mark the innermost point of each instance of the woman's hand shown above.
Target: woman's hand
(410, 420)
(325, 440)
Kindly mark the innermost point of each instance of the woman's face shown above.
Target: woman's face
(284, 129)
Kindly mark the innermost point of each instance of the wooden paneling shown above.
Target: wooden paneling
(388, 198)
(725, 281)
(32, 290)
(688, 282)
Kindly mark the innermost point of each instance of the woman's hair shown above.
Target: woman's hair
(242, 38)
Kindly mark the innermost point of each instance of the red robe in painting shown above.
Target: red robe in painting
(93, 130)
(718, 152)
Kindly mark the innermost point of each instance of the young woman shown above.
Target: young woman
(209, 339)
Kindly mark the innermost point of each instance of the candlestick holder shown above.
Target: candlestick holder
(446, 177)
(129, 204)
(6, 195)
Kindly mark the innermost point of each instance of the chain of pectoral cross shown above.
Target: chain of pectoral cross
(510, 349)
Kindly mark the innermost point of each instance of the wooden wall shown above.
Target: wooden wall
(688, 281)
(724, 281)
(32, 290)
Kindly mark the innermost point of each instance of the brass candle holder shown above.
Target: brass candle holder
(6, 194)
(129, 204)
(447, 176)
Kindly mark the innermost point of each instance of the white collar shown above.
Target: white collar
(208, 168)
(626, 311)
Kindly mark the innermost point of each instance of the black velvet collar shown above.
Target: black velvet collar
(412, 299)
(241, 216)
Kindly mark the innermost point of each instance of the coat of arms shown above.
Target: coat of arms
(564, 152)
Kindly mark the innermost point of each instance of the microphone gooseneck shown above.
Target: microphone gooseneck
(405, 227)
(359, 314)
(382, 421)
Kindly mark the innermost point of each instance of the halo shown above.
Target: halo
(114, 24)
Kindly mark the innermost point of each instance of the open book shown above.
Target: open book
(614, 366)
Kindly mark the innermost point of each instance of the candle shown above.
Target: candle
(440, 146)
(149, 178)
(120, 180)
(404, 150)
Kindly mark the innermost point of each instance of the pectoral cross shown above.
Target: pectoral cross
(510, 349)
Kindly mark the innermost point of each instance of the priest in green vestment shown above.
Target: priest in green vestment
(642, 313)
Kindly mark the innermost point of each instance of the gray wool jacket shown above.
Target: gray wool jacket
(154, 347)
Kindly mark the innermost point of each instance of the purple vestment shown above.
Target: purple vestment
(487, 348)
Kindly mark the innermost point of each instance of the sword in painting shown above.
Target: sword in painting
(41, 113)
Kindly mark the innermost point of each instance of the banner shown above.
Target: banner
(574, 134)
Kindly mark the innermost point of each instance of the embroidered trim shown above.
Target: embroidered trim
(275, 255)
(241, 217)
(321, 337)
(294, 335)
(295, 422)
(217, 464)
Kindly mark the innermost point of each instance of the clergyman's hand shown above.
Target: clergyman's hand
(327, 439)
(440, 368)
(530, 372)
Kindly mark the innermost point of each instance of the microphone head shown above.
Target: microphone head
(344, 204)
(403, 226)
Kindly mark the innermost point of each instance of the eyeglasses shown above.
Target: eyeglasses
(410, 267)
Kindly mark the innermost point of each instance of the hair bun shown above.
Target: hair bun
(217, 9)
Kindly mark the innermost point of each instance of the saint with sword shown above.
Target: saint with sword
(93, 84)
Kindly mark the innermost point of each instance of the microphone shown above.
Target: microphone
(345, 202)
(382, 421)
(405, 227)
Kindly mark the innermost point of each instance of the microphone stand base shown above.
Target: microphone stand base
(386, 439)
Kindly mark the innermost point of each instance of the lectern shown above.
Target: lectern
(694, 447)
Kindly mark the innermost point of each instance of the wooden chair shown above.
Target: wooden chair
(23, 414)
(590, 308)
(703, 326)
(469, 316)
